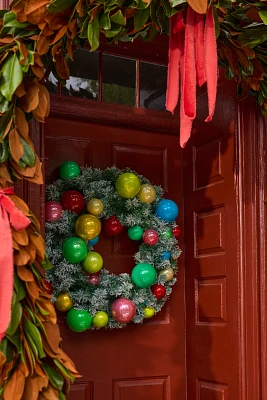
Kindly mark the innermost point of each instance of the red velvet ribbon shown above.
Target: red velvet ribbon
(18, 220)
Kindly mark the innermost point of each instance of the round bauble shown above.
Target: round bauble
(95, 206)
(166, 255)
(168, 273)
(72, 201)
(87, 227)
(177, 232)
(69, 169)
(63, 302)
(112, 226)
(159, 291)
(150, 237)
(123, 310)
(48, 287)
(147, 193)
(100, 319)
(79, 320)
(53, 211)
(127, 185)
(167, 210)
(94, 241)
(167, 234)
(93, 262)
(135, 232)
(74, 250)
(149, 312)
(94, 280)
(144, 275)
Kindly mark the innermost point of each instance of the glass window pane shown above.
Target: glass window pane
(153, 84)
(83, 80)
(118, 80)
(51, 83)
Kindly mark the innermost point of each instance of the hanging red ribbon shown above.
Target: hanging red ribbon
(18, 220)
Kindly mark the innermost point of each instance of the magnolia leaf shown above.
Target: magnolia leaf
(3, 151)
(140, 18)
(105, 21)
(200, 6)
(93, 33)
(11, 76)
(118, 18)
(263, 15)
(64, 370)
(33, 331)
(10, 21)
(19, 287)
(15, 146)
(61, 395)
(28, 156)
(15, 318)
(175, 3)
(115, 29)
(6, 349)
(57, 6)
(15, 386)
(54, 376)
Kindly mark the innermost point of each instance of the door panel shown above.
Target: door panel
(139, 362)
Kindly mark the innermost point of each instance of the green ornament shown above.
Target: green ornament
(69, 169)
(144, 275)
(79, 320)
(93, 262)
(74, 250)
(100, 319)
(135, 232)
(168, 234)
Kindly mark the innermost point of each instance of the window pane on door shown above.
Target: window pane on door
(153, 84)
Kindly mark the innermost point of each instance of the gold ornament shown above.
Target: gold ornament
(63, 302)
(147, 193)
(149, 312)
(168, 273)
(95, 206)
(87, 227)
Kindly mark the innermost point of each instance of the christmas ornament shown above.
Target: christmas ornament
(53, 211)
(158, 291)
(167, 234)
(74, 250)
(48, 287)
(112, 226)
(168, 273)
(79, 320)
(123, 310)
(177, 232)
(93, 280)
(148, 312)
(95, 206)
(100, 319)
(135, 232)
(72, 201)
(167, 210)
(150, 237)
(94, 241)
(166, 255)
(127, 185)
(93, 262)
(147, 193)
(87, 227)
(63, 302)
(69, 169)
(144, 275)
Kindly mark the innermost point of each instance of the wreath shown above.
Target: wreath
(77, 205)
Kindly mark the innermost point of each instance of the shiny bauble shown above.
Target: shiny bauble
(127, 185)
(150, 237)
(167, 234)
(159, 291)
(95, 206)
(94, 241)
(74, 250)
(177, 232)
(112, 226)
(147, 193)
(166, 255)
(123, 310)
(135, 232)
(93, 262)
(168, 273)
(93, 280)
(144, 275)
(72, 201)
(48, 287)
(69, 169)
(79, 320)
(149, 312)
(87, 227)
(100, 319)
(53, 211)
(63, 302)
(167, 210)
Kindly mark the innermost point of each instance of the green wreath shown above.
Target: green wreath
(93, 297)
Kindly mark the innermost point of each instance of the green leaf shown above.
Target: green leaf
(57, 6)
(3, 151)
(15, 318)
(54, 376)
(25, 33)
(11, 76)
(140, 18)
(175, 3)
(4, 104)
(15, 339)
(19, 287)
(10, 21)
(28, 155)
(263, 15)
(32, 344)
(6, 349)
(6, 47)
(217, 23)
(61, 396)
(93, 33)
(118, 18)
(29, 61)
(105, 21)
(115, 29)
(64, 370)
(33, 331)
(84, 29)
(2, 13)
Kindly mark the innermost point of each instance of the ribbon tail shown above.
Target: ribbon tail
(211, 62)
(200, 50)
(17, 219)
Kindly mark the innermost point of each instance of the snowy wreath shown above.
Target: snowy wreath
(78, 205)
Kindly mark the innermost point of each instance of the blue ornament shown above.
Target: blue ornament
(93, 241)
(167, 210)
(166, 255)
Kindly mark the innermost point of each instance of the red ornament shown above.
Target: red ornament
(177, 232)
(53, 211)
(112, 226)
(48, 287)
(93, 279)
(150, 237)
(158, 291)
(73, 201)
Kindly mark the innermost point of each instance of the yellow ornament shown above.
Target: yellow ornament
(95, 206)
(149, 312)
(147, 193)
(100, 319)
(87, 227)
(127, 185)
(63, 302)
(168, 273)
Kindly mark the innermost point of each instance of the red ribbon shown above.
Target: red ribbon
(18, 220)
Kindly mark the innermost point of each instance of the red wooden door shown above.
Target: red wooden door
(139, 362)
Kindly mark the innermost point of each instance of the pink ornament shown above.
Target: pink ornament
(150, 237)
(53, 211)
(93, 279)
(123, 310)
